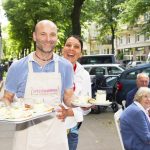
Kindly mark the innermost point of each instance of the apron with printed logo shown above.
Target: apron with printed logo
(47, 133)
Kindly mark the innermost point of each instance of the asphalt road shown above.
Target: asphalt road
(98, 132)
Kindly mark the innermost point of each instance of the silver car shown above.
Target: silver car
(104, 69)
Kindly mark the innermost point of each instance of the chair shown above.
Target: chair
(117, 123)
(123, 104)
(1, 88)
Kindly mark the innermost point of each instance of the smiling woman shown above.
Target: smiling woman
(82, 88)
(72, 49)
(135, 122)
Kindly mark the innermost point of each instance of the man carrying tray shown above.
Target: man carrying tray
(41, 75)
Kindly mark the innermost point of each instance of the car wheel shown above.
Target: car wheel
(114, 106)
(96, 110)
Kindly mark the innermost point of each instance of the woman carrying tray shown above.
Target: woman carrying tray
(82, 88)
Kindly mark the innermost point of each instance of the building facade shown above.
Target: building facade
(132, 43)
(92, 44)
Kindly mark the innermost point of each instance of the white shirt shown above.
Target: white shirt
(82, 87)
(141, 107)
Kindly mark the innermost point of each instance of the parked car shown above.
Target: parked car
(127, 81)
(134, 63)
(97, 59)
(125, 62)
(104, 69)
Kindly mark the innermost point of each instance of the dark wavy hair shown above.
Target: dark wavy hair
(78, 38)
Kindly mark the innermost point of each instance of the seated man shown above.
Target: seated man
(142, 80)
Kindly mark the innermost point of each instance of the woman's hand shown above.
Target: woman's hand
(61, 113)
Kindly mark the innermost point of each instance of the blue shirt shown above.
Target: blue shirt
(18, 71)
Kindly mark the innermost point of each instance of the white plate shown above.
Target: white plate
(22, 120)
(101, 103)
(27, 117)
(81, 104)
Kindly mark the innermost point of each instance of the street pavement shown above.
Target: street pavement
(98, 132)
(6, 136)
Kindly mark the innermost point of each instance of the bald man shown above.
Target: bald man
(42, 75)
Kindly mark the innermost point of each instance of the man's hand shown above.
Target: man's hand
(62, 112)
(7, 98)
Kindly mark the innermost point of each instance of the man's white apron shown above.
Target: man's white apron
(46, 133)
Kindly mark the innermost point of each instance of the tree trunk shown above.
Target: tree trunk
(112, 39)
(75, 17)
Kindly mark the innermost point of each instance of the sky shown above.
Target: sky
(3, 19)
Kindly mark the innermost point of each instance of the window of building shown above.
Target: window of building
(121, 40)
(128, 38)
(137, 37)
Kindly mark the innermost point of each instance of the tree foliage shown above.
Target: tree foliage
(69, 16)
(132, 10)
(24, 14)
(107, 18)
(10, 46)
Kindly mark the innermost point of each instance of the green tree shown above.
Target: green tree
(132, 10)
(107, 15)
(24, 14)
(67, 14)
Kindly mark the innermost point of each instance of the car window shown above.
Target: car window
(138, 63)
(122, 67)
(129, 63)
(113, 71)
(97, 71)
(147, 71)
(132, 75)
(107, 59)
(87, 68)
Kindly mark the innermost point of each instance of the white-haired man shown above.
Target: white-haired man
(142, 80)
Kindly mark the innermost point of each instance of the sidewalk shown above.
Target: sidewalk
(98, 132)
(6, 136)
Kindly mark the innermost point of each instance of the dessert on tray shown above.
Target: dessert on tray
(82, 101)
(21, 112)
(100, 99)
